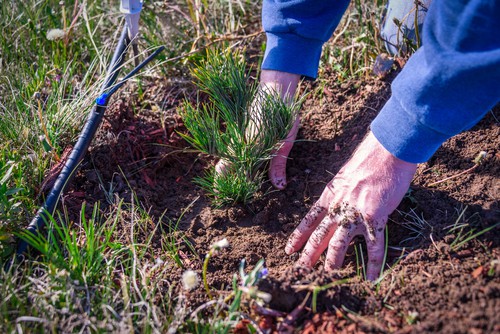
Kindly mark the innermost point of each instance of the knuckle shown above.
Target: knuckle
(304, 260)
(294, 238)
(338, 247)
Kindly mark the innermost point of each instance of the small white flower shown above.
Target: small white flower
(221, 244)
(54, 34)
(266, 297)
(480, 157)
(254, 293)
(190, 279)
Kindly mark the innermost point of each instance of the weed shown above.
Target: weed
(225, 316)
(221, 244)
(172, 239)
(317, 289)
(478, 160)
(494, 266)
(360, 261)
(463, 230)
(412, 317)
(416, 224)
(314, 289)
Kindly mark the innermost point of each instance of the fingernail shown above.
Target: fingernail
(288, 250)
(279, 183)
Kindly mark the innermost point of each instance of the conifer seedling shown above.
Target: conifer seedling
(241, 123)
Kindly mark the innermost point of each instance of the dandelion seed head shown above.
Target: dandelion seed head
(221, 244)
(480, 157)
(190, 279)
(54, 34)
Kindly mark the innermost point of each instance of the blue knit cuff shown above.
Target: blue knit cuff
(291, 53)
(403, 135)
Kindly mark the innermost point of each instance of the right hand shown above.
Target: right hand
(357, 201)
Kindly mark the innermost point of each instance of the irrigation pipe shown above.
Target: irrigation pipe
(89, 130)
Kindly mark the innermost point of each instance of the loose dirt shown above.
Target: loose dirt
(430, 286)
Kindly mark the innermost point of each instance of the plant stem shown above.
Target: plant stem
(477, 161)
(204, 273)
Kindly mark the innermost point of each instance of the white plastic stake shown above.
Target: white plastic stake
(132, 10)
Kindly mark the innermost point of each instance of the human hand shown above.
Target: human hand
(357, 201)
(285, 84)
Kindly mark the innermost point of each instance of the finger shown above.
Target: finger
(222, 167)
(375, 242)
(318, 242)
(277, 167)
(338, 245)
(305, 228)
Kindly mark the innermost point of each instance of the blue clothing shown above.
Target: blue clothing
(446, 87)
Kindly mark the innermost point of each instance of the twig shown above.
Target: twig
(287, 325)
(477, 161)
(261, 310)
(356, 318)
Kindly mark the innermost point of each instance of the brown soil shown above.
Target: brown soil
(430, 288)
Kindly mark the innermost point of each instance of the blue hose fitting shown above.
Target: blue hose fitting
(102, 100)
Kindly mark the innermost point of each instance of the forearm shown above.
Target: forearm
(448, 85)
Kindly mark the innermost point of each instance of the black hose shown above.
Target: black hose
(89, 130)
(37, 224)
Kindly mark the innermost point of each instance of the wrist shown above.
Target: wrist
(372, 154)
(283, 82)
(374, 143)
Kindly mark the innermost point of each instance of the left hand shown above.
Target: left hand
(357, 201)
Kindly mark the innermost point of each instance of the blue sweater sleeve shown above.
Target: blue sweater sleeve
(296, 31)
(449, 84)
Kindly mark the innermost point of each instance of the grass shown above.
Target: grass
(172, 240)
(356, 43)
(417, 226)
(465, 229)
(93, 277)
(87, 278)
